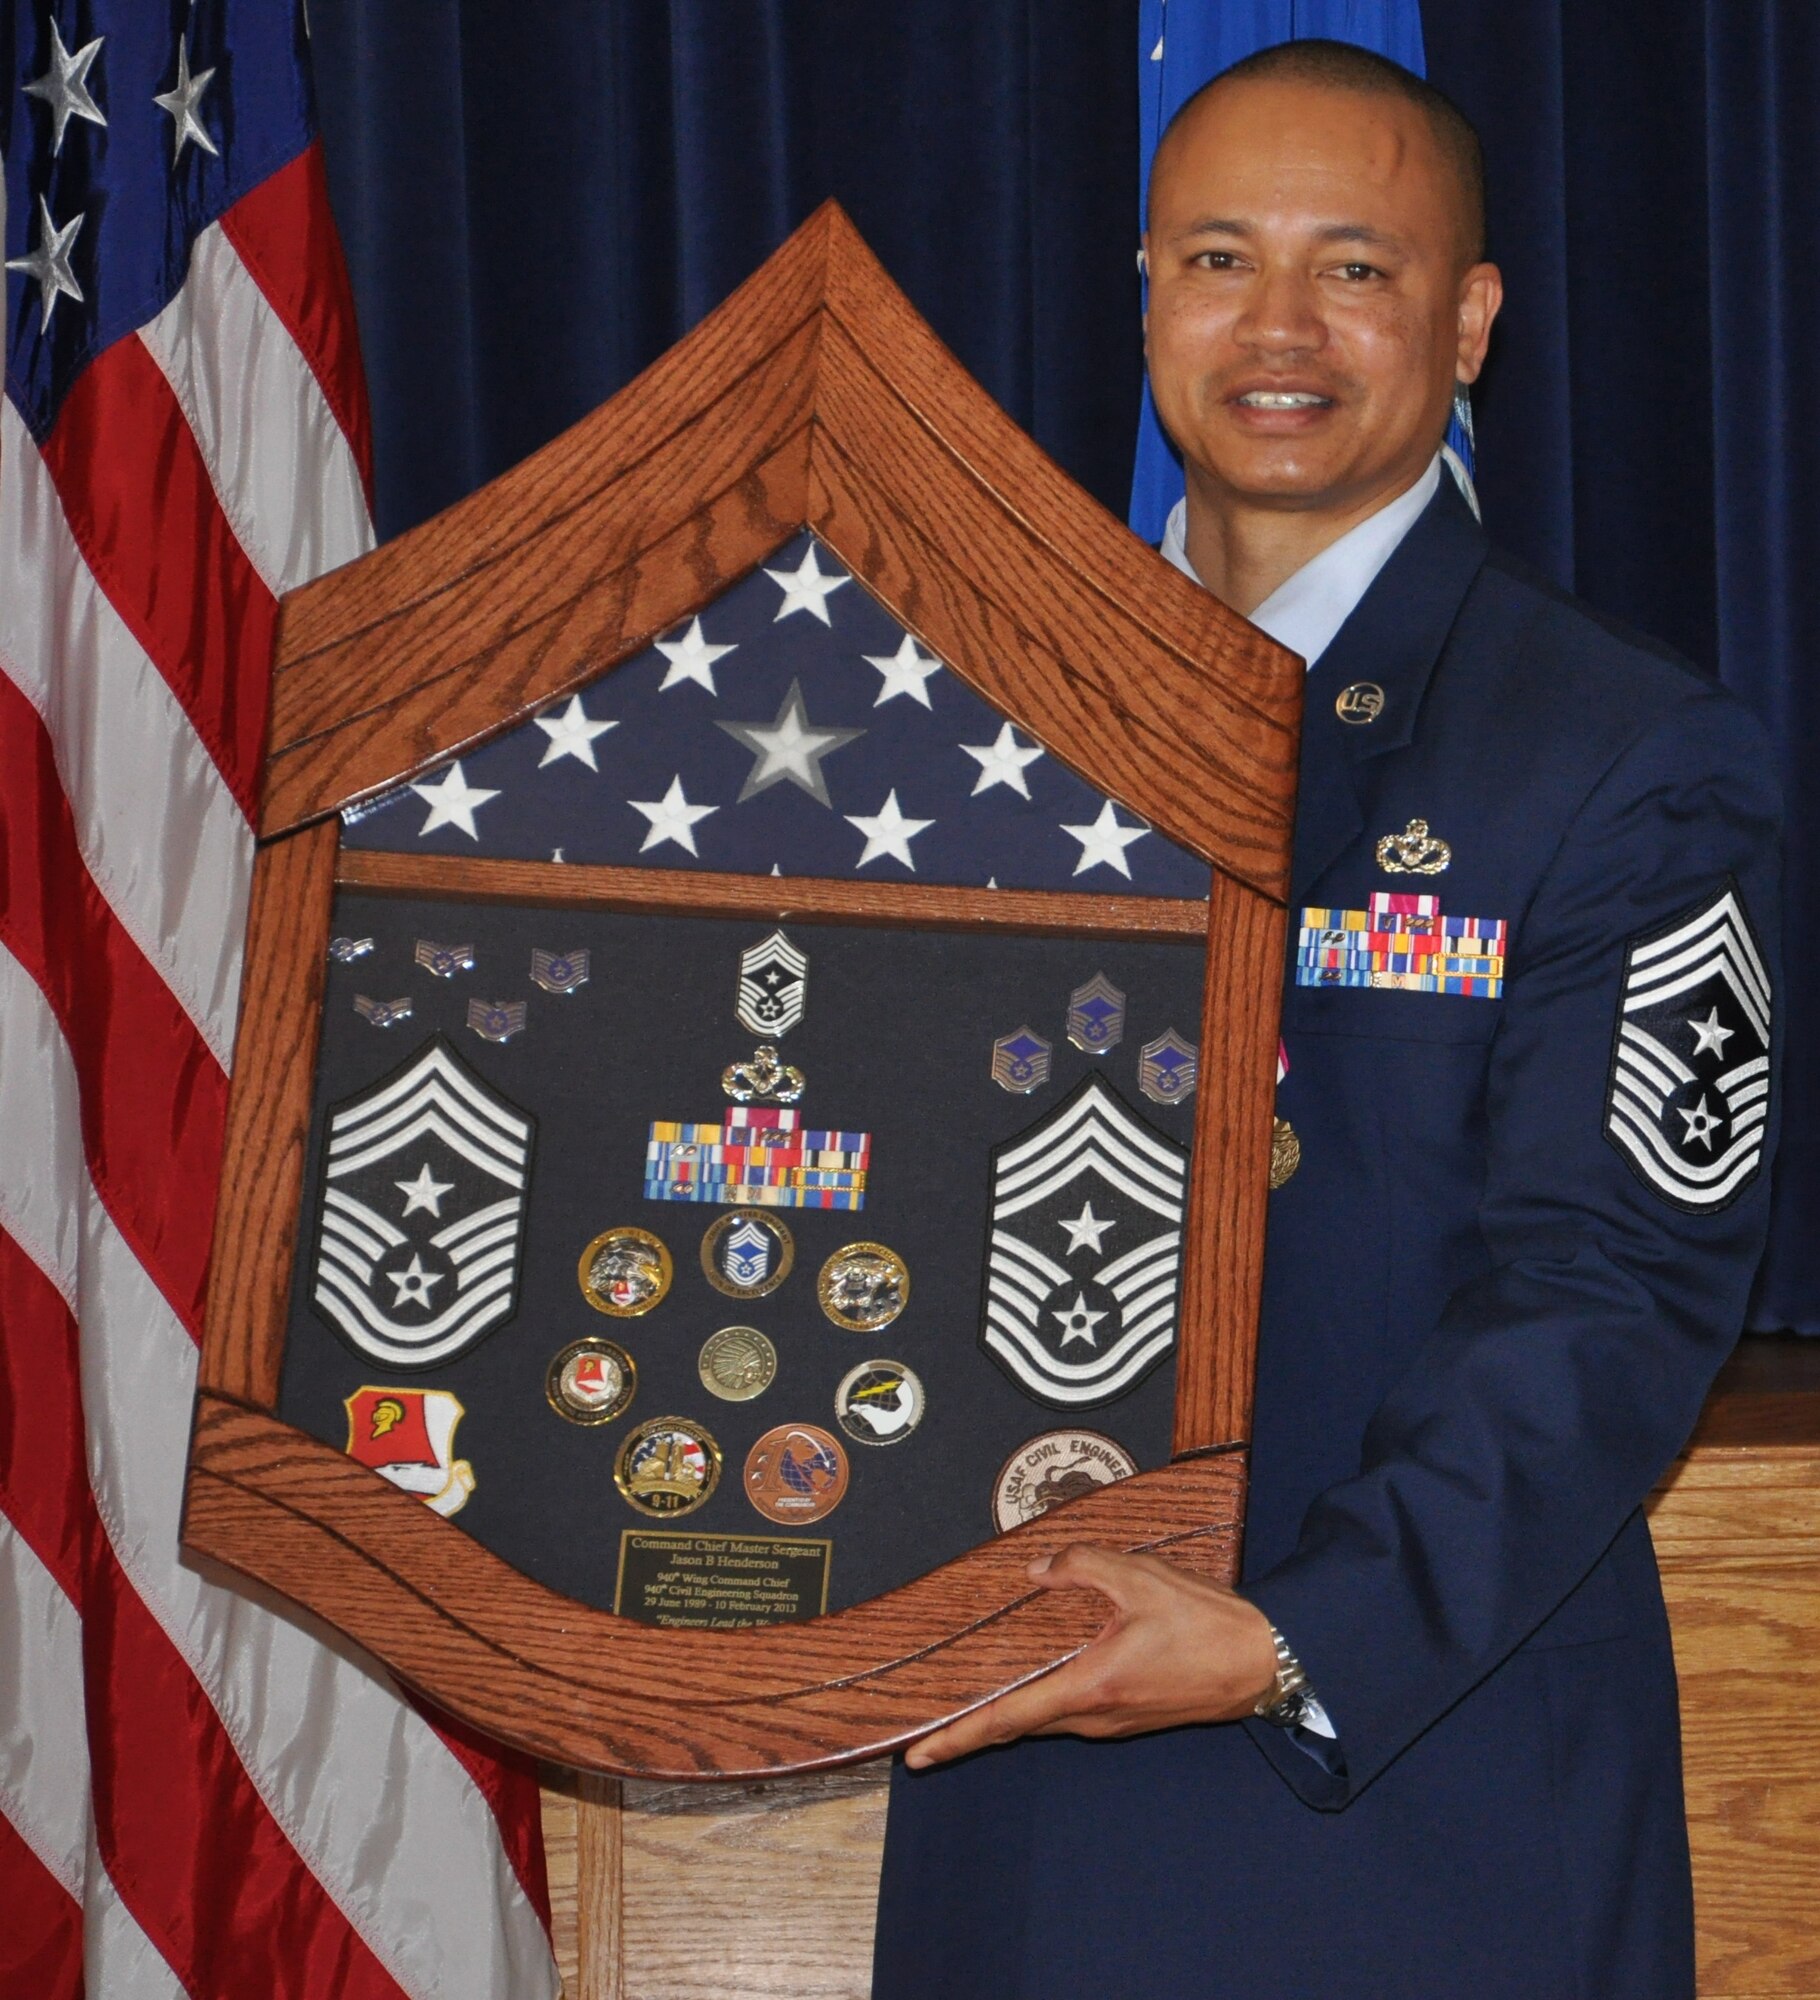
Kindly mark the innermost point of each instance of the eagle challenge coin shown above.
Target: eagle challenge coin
(667, 1466)
(591, 1381)
(737, 1363)
(624, 1272)
(863, 1287)
(1058, 1466)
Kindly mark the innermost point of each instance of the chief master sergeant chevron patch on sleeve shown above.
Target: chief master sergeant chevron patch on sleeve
(1688, 1098)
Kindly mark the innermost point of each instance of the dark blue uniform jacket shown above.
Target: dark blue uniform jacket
(1488, 1328)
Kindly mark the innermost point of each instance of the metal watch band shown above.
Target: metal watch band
(1286, 1699)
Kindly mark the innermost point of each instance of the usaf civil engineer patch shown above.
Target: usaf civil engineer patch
(420, 1229)
(1688, 1098)
(1083, 1263)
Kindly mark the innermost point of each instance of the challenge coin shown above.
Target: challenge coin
(1058, 1466)
(796, 1472)
(624, 1272)
(667, 1466)
(747, 1253)
(737, 1363)
(879, 1402)
(863, 1287)
(591, 1381)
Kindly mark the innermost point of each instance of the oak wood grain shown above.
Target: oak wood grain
(260, 1197)
(683, 892)
(584, 1688)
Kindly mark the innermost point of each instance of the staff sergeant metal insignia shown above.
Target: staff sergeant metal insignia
(383, 1013)
(444, 960)
(559, 971)
(1096, 1016)
(420, 1223)
(496, 1020)
(1020, 1061)
(408, 1437)
(773, 987)
(1169, 1068)
(1083, 1262)
(1688, 1097)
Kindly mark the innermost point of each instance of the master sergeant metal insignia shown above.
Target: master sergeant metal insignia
(1020, 1061)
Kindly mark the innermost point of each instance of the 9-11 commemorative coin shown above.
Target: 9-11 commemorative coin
(624, 1271)
(667, 1466)
(1057, 1466)
(737, 1363)
(591, 1381)
(747, 1253)
(796, 1472)
(863, 1286)
(879, 1402)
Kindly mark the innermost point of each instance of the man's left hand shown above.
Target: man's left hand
(1176, 1649)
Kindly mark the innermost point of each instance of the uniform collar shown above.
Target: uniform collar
(1306, 610)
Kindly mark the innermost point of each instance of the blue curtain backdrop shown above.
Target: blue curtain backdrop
(537, 200)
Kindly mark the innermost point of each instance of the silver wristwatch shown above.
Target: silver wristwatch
(1286, 1700)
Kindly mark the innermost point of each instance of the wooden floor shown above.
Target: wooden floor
(711, 1892)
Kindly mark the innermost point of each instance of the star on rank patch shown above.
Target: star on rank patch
(1687, 1102)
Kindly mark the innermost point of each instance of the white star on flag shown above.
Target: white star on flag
(181, 101)
(904, 672)
(805, 588)
(887, 831)
(672, 818)
(691, 659)
(64, 87)
(1002, 762)
(571, 734)
(414, 1283)
(426, 1191)
(451, 801)
(1085, 1231)
(49, 264)
(789, 746)
(1103, 844)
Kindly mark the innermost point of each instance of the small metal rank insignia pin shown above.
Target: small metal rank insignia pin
(444, 960)
(1096, 1016)
(559, 971)
(383, 1013)
(591, 1381)
(863, 1287)
(344, 950)
(1414, 851)
(747, 1254)
(773, 987)
(763, 1079)
(879, 1402)
(624, 1272)
(1362, 702)
(1169, 1068)
(1020, 1061)
(496, 1020)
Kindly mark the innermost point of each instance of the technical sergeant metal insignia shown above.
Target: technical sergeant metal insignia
(1096, 1016)
(559, 971)
(1083, 1263)
(591, 1381)
(420, 1222)
(1687, 1101)
(408, 1437)
(773, 987)
(1020, 1061)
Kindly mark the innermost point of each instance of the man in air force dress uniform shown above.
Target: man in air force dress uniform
(1528, 1022)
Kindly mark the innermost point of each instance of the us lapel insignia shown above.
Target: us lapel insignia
(1020, 1061)
(444, 960)
(408, 1437)
(496, 1020)
(1083, 1260)
(382, 1013)
(1169, 1068)
(1414, 851)
(773, 987)
(1688, 1096)
(420, 1213)
(1096, 1016)
(559, 971)
(1361, 703)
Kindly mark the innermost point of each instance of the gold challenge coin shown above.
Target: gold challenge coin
(863, 1287)
(737, 1363)
(591, 1381)
(624, 1271)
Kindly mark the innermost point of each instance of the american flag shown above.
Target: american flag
(200, 1792)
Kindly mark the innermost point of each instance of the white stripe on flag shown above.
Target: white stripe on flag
(325, 1737)
(43, 1730)
(159, 831)
(119, 1962)
(281, 465)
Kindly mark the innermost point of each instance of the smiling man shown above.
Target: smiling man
(1429, 1749)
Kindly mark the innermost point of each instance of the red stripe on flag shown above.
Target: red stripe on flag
(286, 237)
(153, 1097)
(43, 1477)
(140, 503)
(507, 1780)
(41, 1935)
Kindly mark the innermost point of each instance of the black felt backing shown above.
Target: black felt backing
(896, 1041)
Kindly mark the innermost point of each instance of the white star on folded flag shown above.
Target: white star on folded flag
(906, 671)
(572, 734)
(887, 831)
(452, 801)
(805, 588)
(49, 264)
(672, 817)
(64, 86)
(181, 102)
(1002, 762)
(789, 746)
(1103, 844)
(691, 658)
